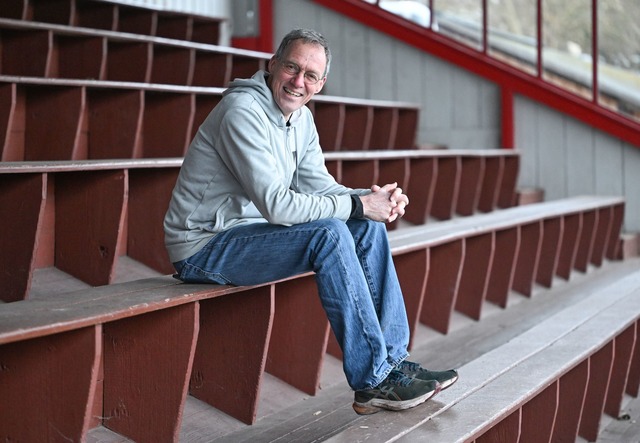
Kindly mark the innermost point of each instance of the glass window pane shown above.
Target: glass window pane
(567, 45)
(619, 56)
(460, 20)
(513, 33)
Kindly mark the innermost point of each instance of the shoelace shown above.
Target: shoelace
(398, 378)
(409, 366)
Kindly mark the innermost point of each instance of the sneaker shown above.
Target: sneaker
(397, 392)
(414, 370)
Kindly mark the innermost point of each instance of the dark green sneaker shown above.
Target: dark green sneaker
(397, 392)
(414, 370)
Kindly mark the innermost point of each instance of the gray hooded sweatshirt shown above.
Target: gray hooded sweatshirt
(246, 164)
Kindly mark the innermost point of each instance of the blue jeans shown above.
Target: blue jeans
(356, 279)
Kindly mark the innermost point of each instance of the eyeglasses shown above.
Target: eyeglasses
(290, 68)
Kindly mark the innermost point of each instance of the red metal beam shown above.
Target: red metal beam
(508, 77)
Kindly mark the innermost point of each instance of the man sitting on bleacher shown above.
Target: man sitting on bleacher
(255, 203)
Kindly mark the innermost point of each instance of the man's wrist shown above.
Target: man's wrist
(357, 208)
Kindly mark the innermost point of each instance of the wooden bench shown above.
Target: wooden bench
(118, 17)
(550, 383)
(122, 204)
(160, 332)
(54, 51)
(104, 119)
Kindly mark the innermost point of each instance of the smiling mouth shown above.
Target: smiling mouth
(291, 93)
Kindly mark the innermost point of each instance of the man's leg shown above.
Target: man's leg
(259, 253)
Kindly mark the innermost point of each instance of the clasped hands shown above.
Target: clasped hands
(384, 204)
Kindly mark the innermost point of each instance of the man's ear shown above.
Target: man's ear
(320, 84)
(271, 64)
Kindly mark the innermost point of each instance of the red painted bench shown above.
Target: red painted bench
(82, 216)
(158, 329)
(114, 16)
(104, 120)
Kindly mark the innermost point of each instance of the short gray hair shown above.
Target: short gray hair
(307, 36)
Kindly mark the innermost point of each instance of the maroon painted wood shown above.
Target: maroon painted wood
(48, 385)
(149, 195)
(22, 199)
(129, 61)
(527, 257)
(205, 30)
(383, 130)
(471, 174)
(613, 244)
(412, 269)
(115, 120)
(45, 122)
(245, 66)
(601, 236)
(167, 122)
(573, 387)
(506, 247)
(80, 57)
(212, 69)
(358, 121)
(90, 208)
(447, 187)
(26, 52)
(299, 334)
(137, 20)
(445, 267)
(539, 415)
(476, 270)
(96, 15)
(624, 345)
(586, 240)
(421, 189)
(12, 121)
(172, 65)
(553, 229)
(330, 121)
(509, 179)
(505, 431)
(600, 364)
(407, 129)
(633, 381)
(14, 9)
(52, 11)
(491, 181)
(175, 26)
(359, 174)
(147, 364)
(571, 233)
(232, 351)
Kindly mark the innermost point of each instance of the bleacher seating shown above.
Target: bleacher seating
(94, 125)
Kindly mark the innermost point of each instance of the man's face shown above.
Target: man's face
(292, 91)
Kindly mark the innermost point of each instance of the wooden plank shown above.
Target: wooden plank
(508, 182)
(507, 430)
(137, 20)
(421, 188)
(358, 121)
(447, 187)
(407, 130)
(586, 240)
(600, 365)
(206, 30)
(299, 334)
(571, 233)
(553, 230)
(12, 121)
(147, 365)
(232, 350)
(47, 386)
(90, 210)
(45, 122)
(538, 416)
(624, 344)
(474, 281)
(528, 257)
(613, 244)
(359, 174)
(22, 201)
(383, 130)
(330, 119)
(445, 268)
(96, 15)
(175, 26)
(507, 244)
(115, 123)
(149, 195)
(172, 65)
(571, 401)
(81, 57)
(212, 69)
(14, 9)
(26, 52)
(167, 124)
(129, 61)
(471, 175)
(491, 182)
(412, 270)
